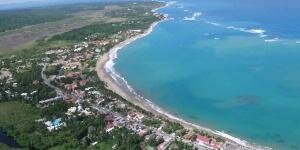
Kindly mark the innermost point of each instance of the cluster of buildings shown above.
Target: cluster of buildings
(212, 143)
(11, 87)
(76, 81)
(115, 39)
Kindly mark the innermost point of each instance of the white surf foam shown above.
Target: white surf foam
(214, 23)
(259, 32)
(256, 31)
(194, 17)
(272, 40)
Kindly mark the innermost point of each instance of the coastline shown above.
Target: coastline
(115, 82)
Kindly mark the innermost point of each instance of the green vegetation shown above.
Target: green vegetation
(25, 27)
(4, 147)
(154, 141)
(29, 80)
(181, 132)
(45, 22)
(134, 9)
(152, 122)
(56, 110)
(100, 30)
(178, 145)
(121, 139)
(171, 127)
(13, 19)
(209, 135)
(52, 70)
(19, 121)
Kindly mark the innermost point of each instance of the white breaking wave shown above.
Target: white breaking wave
(259, 32)
(272, 40)
(214, 23)
(256, 31)
(195, 15)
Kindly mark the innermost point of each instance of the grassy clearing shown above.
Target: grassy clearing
(18, 39)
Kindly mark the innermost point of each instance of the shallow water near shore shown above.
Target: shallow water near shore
(229, 71)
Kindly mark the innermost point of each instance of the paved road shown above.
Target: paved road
(48, 82)
(60, 94)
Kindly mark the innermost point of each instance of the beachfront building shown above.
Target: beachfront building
(205, 141)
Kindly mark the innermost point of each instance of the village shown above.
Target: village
(70, 73)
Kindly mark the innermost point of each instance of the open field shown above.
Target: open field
(25, 37)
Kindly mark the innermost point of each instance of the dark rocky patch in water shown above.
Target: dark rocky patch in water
(277, 138)
(294, 147)
(247, 99)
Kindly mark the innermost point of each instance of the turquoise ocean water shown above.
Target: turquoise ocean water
(229, 65)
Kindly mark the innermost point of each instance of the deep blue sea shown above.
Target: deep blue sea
(230, 65)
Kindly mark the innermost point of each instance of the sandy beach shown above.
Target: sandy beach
(116, 83)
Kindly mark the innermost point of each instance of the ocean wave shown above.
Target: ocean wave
(195, 15)
(214, 23)
(259, 32)
(297, 42)
(272, 40)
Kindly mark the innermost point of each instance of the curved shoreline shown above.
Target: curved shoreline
(118, 84)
